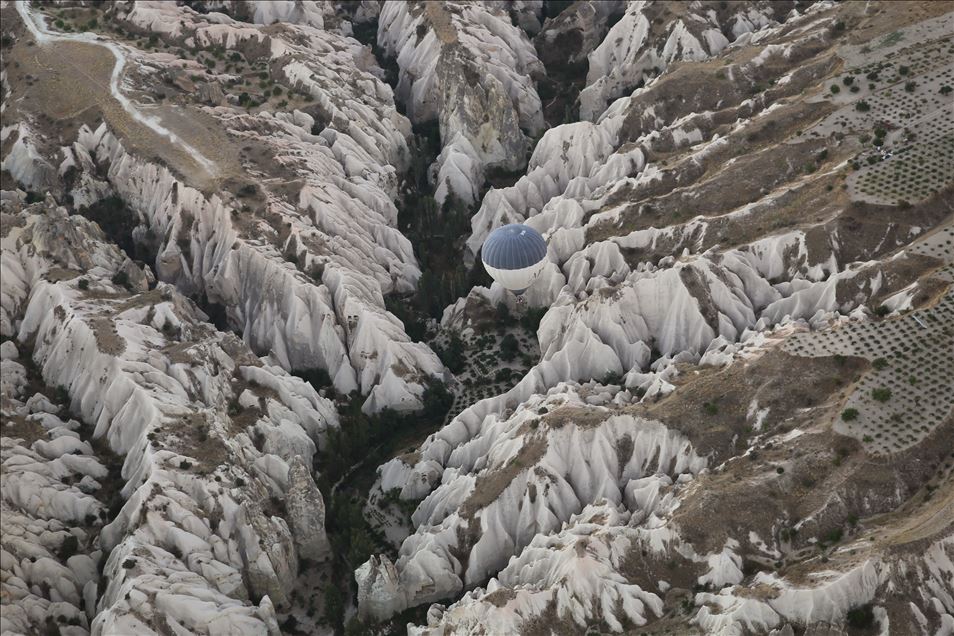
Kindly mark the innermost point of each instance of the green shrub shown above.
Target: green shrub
(860, 617)
(849, 414)
(881, 394)
(509, 346)
(334, 606)
(69, 547)
(453, 354)
(316, 377)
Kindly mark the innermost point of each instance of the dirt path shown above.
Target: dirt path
(77, 77)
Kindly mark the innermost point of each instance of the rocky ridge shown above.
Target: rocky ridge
(205, 257)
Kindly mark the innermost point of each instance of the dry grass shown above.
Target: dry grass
(108, 340)
(492, 482)
(19, 427)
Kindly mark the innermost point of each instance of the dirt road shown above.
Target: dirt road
(75, 79)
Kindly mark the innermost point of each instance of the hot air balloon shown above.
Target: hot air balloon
(514, 255)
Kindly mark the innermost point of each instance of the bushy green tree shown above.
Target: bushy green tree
(334, 606)
(509, 347)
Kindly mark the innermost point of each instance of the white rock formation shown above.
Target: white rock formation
(306, 512)
(572, 573)
(572, 152)
(192, 541)
(466, 65)
(328, 312)
(650, 36)
(830, 595)
(52, 511)
(503, 481)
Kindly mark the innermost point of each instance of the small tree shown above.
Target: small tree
(860, 617)
(502, 314)
(453, 354)
(509, 346)
(334, 607)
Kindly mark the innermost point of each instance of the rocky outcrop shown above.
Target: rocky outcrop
(650, 36)
(466, 66)
(511, 479)
(733, 421)
(380, 594)
(640, 243)
(306, 512)
(327, 309)
(571, 576)
(195, 481)
(53, 502)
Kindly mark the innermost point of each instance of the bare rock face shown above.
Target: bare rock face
(650, 36)
(479, 108)
(268, 552)
(545, 461)
(723, 408)
(199, 513)
(649, 212)
(211, 93)
(566, 40)
(335, 220)
(379, 589)
(306, 512)
(465, 65)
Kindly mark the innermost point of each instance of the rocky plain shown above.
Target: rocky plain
(255, 379)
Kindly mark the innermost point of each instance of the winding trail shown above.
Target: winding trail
(36, 24)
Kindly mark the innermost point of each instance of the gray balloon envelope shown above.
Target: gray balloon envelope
(514, 255)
